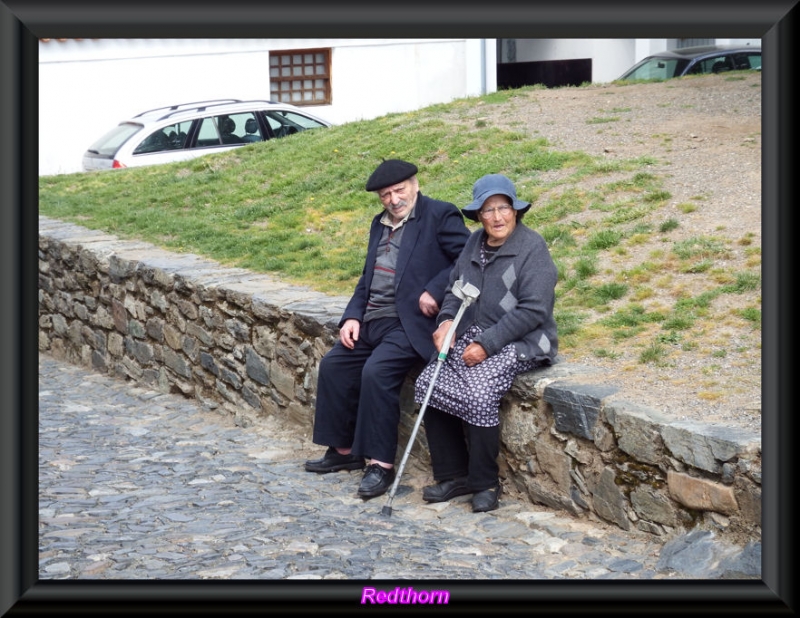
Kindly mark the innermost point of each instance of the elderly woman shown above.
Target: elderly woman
(509, 329)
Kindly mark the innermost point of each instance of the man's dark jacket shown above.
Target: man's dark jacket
(432, 240)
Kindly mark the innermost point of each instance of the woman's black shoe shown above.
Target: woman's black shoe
(446, 490)
(486, 500)
(377, 480)
(333, 461)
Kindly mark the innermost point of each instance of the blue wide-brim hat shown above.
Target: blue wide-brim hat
(487, 186)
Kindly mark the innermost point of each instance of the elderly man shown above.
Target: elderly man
(386, 328)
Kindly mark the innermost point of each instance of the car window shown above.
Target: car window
(228, 129)
(171, 137)
(747, 61)
(208, 135)
(239, 128)
(154, 142)
(111, 141)
(658, 68)
(177, 133)
(740, 61)
(714, 64)
(285, 123)
(252, 132)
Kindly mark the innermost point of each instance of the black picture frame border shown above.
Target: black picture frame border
(23, 23)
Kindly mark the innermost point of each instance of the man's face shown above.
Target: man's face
(399, 199)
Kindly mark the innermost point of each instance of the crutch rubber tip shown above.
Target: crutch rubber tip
(386, 511)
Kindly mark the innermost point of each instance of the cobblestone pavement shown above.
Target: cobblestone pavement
(135, 484)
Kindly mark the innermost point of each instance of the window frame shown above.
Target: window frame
(283, 90)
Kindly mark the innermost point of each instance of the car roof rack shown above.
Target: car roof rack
(187, 106)
(261, 101)
(206, 105)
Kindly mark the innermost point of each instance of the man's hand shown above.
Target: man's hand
(428, 305)
(348, 333)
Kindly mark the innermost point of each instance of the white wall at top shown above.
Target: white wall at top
(87, 87)
(610, 57)
(752, 42)
(389, 77)
(481, 53)
(645, 47)
(379, 77)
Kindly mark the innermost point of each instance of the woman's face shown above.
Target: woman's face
(499, 218)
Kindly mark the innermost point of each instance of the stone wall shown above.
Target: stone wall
(249, 345)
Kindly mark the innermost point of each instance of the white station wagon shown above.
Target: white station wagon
(190, 130)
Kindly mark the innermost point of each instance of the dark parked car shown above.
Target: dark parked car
(695, 61)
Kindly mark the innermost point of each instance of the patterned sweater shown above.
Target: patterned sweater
(517, 295)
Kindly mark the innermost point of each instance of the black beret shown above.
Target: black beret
(389, 173)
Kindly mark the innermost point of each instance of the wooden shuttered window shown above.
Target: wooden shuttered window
(300, 76)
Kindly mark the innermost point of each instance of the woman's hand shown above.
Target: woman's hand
(440, 333)
(474, 354)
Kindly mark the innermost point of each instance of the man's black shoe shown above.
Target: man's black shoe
(377, 480)
(445, 490)
(333, 461)
(486, 500)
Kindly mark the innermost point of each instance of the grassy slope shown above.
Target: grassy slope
(297, 208)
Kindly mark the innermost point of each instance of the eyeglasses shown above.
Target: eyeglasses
(503, 209)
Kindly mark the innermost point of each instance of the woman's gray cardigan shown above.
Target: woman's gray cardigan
(517, 295)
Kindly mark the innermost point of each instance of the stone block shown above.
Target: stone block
(707, 447)
(701, 494)
(653, 506)
(541, 494)
(177, 363)
(282, 379)
(518, 429)
(609, 501)
(556, 464)
(637, 429)
(748, 497)
(576, 407)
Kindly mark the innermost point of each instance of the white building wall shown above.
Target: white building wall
(645, 47)
(481, 53)
(388, 77)
(87, 87)
(529, 50)
(610, 57)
